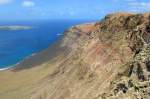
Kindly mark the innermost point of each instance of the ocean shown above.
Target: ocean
(15, 45)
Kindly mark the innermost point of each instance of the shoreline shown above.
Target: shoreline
(42, 56)
(13, 66)
(32, 56)
(4, 69)
(7, 68)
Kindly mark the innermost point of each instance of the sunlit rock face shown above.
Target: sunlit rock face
(109, 59)
(133, 80)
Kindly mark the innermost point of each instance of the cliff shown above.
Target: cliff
(109, 59)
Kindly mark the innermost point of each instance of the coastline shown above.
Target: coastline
(4, 69)
(7, 68)
(13, 66)
(49, 50)
(37, 58)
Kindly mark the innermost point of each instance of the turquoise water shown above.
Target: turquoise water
(15, 45)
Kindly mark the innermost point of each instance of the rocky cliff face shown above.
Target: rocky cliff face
(132, 80)
(109, 59)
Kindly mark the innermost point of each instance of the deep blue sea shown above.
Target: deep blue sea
(15, 45)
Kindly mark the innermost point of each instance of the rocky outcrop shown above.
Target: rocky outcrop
(133, 83)
(109, 59)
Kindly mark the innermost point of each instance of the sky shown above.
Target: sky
(67, 9)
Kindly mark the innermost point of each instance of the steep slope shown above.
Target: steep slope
(109, 59)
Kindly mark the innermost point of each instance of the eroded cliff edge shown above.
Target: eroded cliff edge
(109, 59)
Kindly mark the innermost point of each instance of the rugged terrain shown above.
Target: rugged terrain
(109, 59)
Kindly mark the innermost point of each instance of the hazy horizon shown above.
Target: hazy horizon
(67, 9)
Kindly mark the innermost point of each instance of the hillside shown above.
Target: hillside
(109, 59)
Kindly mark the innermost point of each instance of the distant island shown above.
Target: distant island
(15, 27)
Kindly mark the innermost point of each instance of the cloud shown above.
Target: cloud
(135, 5)
(138, 6)
(28, 3)
(3, 2)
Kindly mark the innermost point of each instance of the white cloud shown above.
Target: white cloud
(3, 2)
(135, 5)
(138, 6)
(28, 3)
